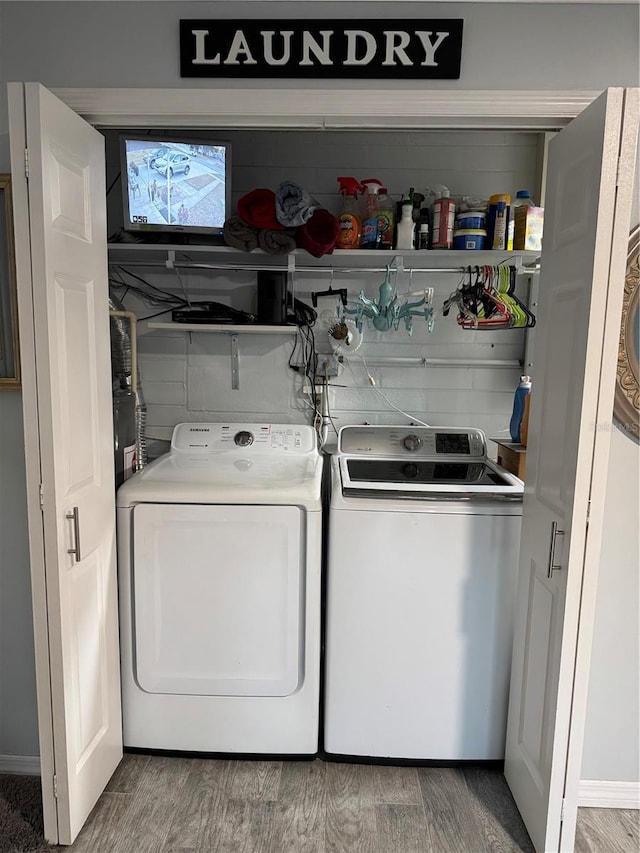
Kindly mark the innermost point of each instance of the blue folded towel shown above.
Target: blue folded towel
(294, 205)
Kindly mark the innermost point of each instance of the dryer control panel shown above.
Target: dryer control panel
(245, 438)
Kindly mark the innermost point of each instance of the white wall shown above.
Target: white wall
(18, 722)
(520, 46)
(505, 46)
(612, 734)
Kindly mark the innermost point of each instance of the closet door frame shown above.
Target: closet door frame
(304, 108)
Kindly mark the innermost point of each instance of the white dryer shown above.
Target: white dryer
(219, 557)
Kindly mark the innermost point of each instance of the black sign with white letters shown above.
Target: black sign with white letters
(386, 49)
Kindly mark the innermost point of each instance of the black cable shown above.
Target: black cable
(157, 314)
(167, 294)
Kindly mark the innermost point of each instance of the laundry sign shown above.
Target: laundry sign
(429, 49)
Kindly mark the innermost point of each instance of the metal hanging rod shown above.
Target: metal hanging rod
(282, 268)
(417, 361)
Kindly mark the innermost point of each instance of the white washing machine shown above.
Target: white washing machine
(219, 557)
(424, 536)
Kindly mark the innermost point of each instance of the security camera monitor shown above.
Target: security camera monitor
(172, 184)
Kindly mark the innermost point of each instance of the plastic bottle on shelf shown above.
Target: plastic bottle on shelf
(444, 214)
(524, 426)
(500, 226)
(422, 229)
(515, 424)
(386, 219)
(494, 202)
(349, 219)
(370, 227)
(406, 226)
(528, 222)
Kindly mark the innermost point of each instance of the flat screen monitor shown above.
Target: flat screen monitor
(175, 184)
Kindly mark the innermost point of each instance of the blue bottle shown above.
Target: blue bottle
(515, 423)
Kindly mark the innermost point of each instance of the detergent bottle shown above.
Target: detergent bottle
(370, 232)
(349, 219)
(515, 424)
(386, 219)
(443, 215)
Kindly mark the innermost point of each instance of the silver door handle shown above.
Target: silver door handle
(75, 517)
(552, 548)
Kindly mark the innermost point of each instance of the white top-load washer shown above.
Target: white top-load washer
(424, 536)
(219, 558)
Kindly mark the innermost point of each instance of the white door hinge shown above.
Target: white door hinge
(588, 511)
(55, 786)
(41, 498)
(562, 810)
(26, 163)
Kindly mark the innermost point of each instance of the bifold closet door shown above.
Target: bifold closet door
(217, 599)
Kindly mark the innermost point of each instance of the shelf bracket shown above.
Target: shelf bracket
(171, 259)
(235, 366)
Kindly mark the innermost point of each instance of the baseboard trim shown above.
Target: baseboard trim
(27, 764)
(609, 795)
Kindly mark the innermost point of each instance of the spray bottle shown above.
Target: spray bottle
(349, 219)
(370, 232)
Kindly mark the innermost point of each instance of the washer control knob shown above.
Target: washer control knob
(243, 438)
(412, 442)
(410, 470)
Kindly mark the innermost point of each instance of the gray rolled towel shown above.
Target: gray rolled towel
(277, 242)
(294, 205)
(239, 235)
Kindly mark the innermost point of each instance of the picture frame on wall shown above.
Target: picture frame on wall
(9, 349)
(626, 405)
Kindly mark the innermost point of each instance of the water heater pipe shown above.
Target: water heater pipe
(133, 320)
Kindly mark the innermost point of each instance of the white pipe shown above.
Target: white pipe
(133, 320)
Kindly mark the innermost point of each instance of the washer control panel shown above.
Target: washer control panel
(251, 438)
(416, 441)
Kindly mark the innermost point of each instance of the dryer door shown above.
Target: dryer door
(217, 598)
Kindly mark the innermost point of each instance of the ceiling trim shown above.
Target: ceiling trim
(298, 107)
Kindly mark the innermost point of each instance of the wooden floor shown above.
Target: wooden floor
(174, 805)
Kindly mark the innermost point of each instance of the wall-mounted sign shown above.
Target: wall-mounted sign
(389, 49)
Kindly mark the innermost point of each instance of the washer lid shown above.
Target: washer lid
(427, 477)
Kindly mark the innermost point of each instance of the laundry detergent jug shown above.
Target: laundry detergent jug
(515, 424)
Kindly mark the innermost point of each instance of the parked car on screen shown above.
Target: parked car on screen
(172, 162)
(155, 154)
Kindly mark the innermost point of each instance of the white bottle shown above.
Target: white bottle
(406, 227)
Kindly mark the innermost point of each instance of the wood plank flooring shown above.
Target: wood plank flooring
(156, 804)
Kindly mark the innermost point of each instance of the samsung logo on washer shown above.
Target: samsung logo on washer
(420, 49)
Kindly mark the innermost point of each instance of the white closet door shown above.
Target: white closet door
(69, 439)
(217, 599)
(586, 231)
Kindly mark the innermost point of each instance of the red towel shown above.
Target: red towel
(258, 208)
(320, 234)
